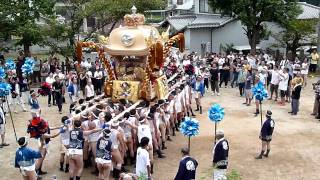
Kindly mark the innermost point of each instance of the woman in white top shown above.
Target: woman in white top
(50, 79)
(98, 74)
(89, 90)
(305, 71)
(283, 85)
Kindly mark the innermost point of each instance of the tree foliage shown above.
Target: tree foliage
(296, 32)
(20, 19)
(254, 13)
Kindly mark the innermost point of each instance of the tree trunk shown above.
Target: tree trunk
(252, 36)
(26, 48)
(72, 45)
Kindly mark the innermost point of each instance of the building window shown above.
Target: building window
(179, 2)
(203, 6)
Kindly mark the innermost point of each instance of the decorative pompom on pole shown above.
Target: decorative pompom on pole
(260, 93)
(5, 89)
(216, 114)
(189, 127)
(27, 67)
(2, 73)
(10, 64)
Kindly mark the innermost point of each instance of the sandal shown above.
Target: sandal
(5, 144)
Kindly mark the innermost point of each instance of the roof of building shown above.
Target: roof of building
(309, 11)
(181, 22)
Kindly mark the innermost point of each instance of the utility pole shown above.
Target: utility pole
(318, 27)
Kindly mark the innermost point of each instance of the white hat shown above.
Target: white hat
(220, 132)
(35, 112)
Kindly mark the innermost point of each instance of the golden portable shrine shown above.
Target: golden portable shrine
(138, 53)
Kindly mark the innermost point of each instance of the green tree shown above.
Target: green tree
(295, 33)
(21, 19)
(254, 13)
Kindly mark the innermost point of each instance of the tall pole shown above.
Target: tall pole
(215, 132)
(189, 143)
(14, 129)
(318, 27)
(261, 112)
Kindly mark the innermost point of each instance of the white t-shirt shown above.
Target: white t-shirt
(142, 162)
(89, 90)
(275, 79)
(251, 61)
(144, 131)
(263, 78)
(98, 74)
(284, 79)
(186, 62)
(50, 80)
(220, 62)
(304, 68)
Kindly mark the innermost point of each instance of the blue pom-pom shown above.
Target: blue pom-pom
(10, 64)
(259, 92)
(27, 67)
(2, 73)
(5, 89)
(216, 113)
(189, 127)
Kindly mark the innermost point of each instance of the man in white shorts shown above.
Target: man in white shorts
(2, 128)
(25, 160)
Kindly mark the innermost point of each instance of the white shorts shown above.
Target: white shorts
(2, 129)
(72, 151)
(28, 168)
(102, 161)
(219, 174)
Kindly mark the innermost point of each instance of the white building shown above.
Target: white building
(207, 31)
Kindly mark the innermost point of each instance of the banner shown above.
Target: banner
(125, 90)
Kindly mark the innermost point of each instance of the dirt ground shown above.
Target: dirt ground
(294, 154)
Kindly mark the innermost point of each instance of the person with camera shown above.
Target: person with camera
(296, 92)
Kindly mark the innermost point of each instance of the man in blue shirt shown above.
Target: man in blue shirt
(25, 159)
(187, 166)
(266, 135)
